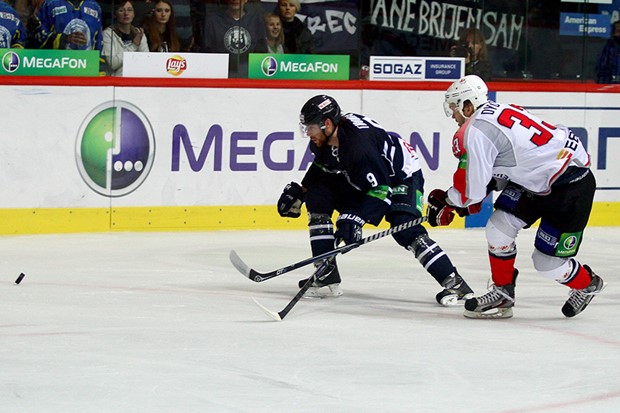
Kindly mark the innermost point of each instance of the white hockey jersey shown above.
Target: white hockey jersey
(511, 144)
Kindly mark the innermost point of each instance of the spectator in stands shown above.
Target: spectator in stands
(474, 49)
(61, 24)
(608, 66)
(12, 30)
(297, 37)
(275, 35)
(27, 10)
(160, 28)
(122, 37)
(235, 31)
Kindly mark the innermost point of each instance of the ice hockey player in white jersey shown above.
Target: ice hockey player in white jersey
(366, 174)
(543, 172)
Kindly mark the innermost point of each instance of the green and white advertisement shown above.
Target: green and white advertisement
(299, 66)
(34, 62)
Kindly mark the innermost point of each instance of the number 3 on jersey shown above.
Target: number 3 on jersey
(541, 134)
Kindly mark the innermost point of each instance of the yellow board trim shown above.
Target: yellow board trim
(201, 218)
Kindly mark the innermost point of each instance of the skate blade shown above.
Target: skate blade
(494, 313)
(321, 295)
(454, 300)
(323, 292)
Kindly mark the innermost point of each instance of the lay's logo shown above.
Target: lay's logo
(176, 65)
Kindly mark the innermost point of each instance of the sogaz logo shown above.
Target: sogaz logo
(269, 66)
(115, 149)
(10, 62)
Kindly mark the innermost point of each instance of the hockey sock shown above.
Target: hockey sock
(322, 240)
(432, 257)
(502, 269)
(578, 277)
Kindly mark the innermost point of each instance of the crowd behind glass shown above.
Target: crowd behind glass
(499, 39)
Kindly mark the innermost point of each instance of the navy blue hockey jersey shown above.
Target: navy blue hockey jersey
(372, 160)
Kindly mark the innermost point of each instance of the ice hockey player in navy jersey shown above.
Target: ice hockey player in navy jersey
(365, 174)
(543, 171)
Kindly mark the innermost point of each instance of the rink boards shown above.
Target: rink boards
(135, 156)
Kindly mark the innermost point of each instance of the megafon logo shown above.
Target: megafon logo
(10, 61)
(115, 148)
(269, 66)
(176, 65)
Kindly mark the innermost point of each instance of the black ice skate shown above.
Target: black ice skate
(455, 292)
(578, 300)
(327, 286)
(497, 303)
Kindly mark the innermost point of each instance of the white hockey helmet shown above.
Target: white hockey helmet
(471, 88)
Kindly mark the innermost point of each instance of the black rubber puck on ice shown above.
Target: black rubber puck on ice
(20, 278)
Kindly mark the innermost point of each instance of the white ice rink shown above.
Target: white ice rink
(162, 322)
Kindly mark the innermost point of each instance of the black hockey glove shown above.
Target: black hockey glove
(439, 212)
(289, 204)
(349, 229)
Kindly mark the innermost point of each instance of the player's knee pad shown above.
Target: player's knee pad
(426, 250)
(406, 237)
(554, 268)
(501, 233)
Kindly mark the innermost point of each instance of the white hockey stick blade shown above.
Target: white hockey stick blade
(238, 263)
(267, 311)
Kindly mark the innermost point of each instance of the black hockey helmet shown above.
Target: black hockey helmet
(319, 108)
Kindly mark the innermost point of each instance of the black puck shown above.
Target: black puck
(20, 278)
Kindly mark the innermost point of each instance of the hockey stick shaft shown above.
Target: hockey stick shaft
(320, 271)
(256, 276)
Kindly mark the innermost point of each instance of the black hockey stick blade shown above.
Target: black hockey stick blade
(323, 268)
(256, 276)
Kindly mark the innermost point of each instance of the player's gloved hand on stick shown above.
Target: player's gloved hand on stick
(349, 229)
(439, 212)
(289, 204)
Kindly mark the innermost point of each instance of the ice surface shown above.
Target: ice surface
(162, 322)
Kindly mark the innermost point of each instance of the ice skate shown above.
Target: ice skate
(497, 303)
(578, 300)
(455, 292)
(319, 290)
(325, 287)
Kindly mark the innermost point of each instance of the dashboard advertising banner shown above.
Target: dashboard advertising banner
(34, 62)
(178, 64)
(299, 66)
(416, 68)
(190, 157)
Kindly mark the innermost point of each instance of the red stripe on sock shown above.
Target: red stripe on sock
(502, 270)
(581, 280)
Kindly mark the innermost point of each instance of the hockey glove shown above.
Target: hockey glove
(289, 204)
(439, 212)
(349, 229)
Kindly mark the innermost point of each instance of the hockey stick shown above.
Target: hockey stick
(256, 276)
(323, 268)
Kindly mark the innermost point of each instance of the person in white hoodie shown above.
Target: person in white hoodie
(122, 37)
